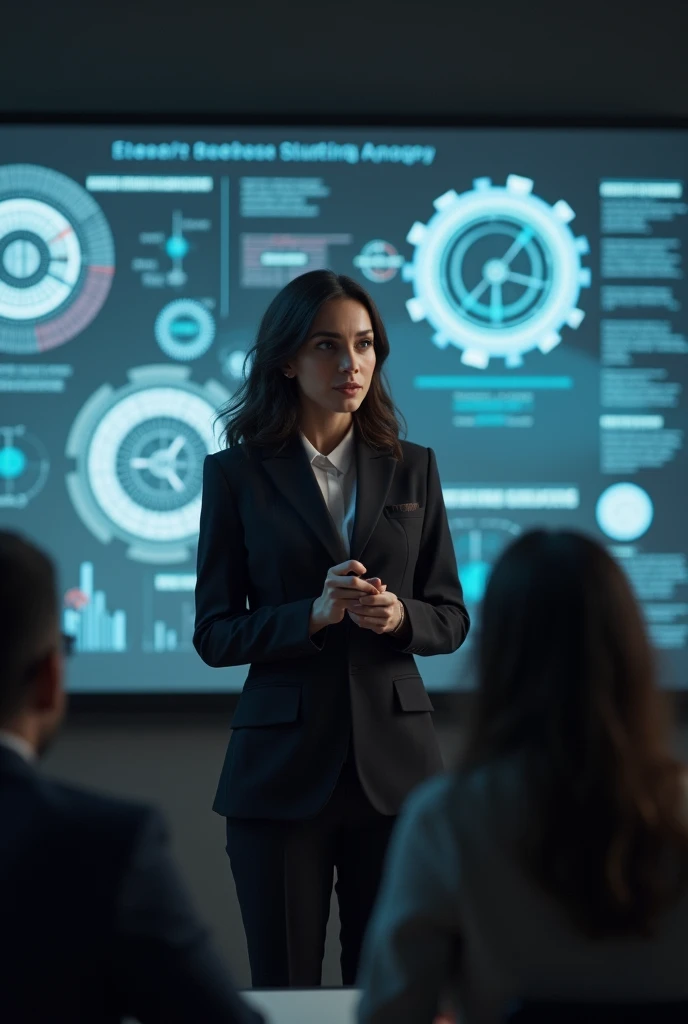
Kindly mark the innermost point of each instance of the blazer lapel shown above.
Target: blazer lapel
(374, 472)
(291, 473)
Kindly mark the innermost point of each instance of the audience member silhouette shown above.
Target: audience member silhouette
(96, 922)
(552, 864)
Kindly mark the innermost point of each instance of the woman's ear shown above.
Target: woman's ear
(288, 372)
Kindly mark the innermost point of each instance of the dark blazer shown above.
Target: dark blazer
(266, 543)
(96, 924)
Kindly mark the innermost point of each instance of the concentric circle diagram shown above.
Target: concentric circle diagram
(497, 271)
(24, 467)
(478, 542)
(139, 457)
(57, 259)
(185, 329)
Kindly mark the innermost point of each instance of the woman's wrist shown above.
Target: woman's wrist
(402, 616)
(315, 623)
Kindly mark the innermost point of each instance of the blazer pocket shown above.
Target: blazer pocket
(267, 705)
(411, 694)
(416, 513)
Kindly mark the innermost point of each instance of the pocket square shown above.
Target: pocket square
(410, 506)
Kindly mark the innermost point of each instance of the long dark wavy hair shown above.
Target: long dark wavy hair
(265, 409)
(566, 680)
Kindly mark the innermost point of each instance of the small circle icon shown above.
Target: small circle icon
(24, 467)
(379, 261)
(185, 330)
(177, 247)
(12, 463)
(624, 512)
(21, 258)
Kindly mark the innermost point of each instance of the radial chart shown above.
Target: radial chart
(497, 271)
(57, 259)
(139, 454)
(185, 329)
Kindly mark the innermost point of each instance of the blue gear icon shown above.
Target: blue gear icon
(497, 271)
(139, 452)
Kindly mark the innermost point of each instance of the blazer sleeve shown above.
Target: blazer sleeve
(413, 938)
(226, 632)
(165, 968)
(436, 614)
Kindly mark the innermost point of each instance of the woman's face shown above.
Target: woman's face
(334, 366)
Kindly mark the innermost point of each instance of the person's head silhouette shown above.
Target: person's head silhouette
(32, 696)
(567, 686)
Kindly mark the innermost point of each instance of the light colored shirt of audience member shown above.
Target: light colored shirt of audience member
(19, 745)
(458, 915)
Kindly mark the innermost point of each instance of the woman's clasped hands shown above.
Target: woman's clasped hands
(367, 602)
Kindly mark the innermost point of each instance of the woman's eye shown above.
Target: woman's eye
(367, 342)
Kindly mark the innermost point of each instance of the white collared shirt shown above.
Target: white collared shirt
(18, 744)
(336, 477)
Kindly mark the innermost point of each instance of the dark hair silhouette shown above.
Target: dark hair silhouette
(566, 680)
(28, 617)
(265, 409)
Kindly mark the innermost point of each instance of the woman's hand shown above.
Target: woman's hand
(343, 587)
(380, 612)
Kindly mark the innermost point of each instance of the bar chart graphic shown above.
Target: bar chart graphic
(169, 612)
(87, 618)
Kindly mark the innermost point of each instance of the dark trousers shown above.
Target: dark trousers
(283, 872)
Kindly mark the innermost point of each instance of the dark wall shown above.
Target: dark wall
(427, 56)
(500, 58)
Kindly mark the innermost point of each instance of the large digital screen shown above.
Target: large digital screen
(533, 285)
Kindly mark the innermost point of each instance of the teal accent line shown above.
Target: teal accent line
(473, 383)
(490, 421)
(465, 405)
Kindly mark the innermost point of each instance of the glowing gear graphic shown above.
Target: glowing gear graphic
(139, 453)
(497, 271)
(56, 259)
(24, 467)
(184, 329)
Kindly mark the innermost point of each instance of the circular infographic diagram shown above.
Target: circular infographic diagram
(24, 467)
(497, 271)
(185, 329)
(624, 512)
(478, 543)
(57, 259)
(379, 261)
(139, 454)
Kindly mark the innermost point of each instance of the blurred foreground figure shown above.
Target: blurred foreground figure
(96, 922)
(552, 864)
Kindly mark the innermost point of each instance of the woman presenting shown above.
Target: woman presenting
(325, 562)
